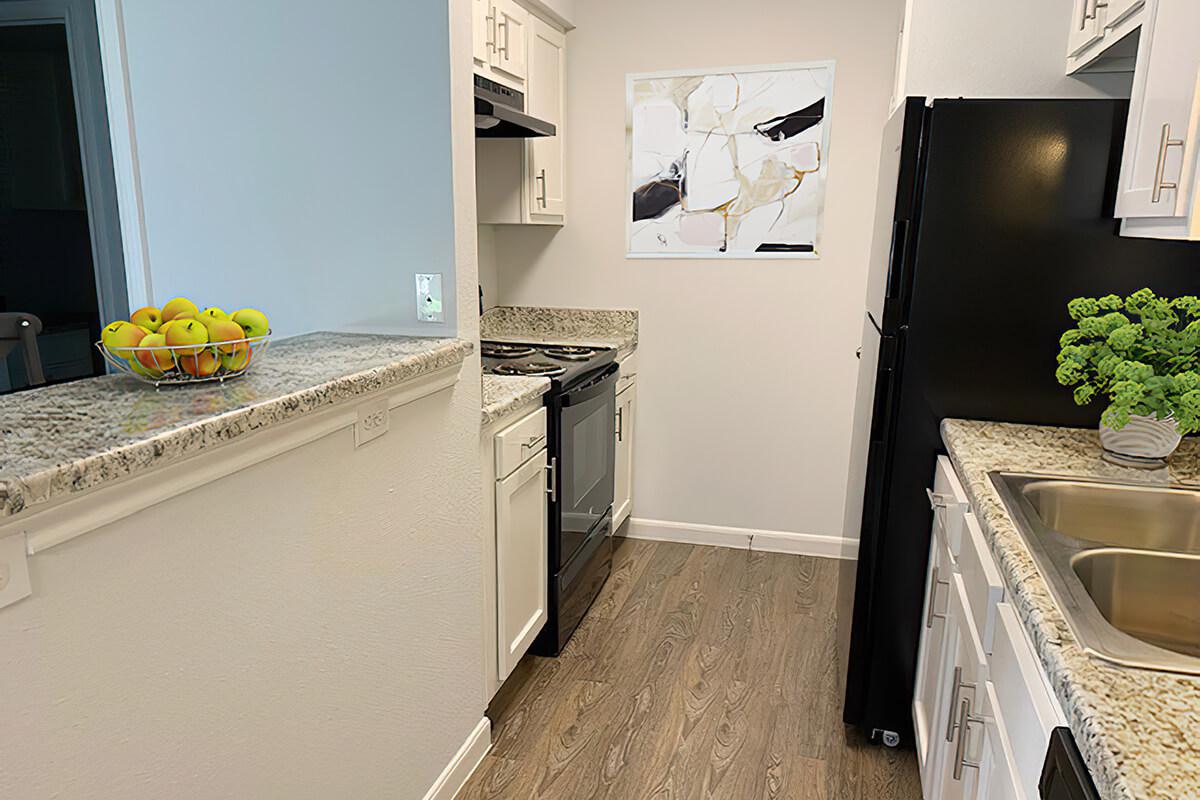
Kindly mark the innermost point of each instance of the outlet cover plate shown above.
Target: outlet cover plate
(372, 421)
(14, 570)
(429, 297)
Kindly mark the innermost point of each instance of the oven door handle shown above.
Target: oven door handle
(593, 389)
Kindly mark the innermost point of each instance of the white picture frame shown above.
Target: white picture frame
(747, 206)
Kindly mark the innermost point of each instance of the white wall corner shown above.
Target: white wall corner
(123, 136)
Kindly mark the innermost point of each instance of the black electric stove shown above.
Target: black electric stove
(581, 409)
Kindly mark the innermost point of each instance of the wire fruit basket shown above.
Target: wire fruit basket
(167, 365)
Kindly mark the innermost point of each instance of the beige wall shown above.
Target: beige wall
(747, 369)
(1015, 49)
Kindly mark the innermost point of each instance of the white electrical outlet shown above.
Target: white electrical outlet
(14, 570)
(429, 298)
(372, 421)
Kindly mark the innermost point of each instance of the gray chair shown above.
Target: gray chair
(18, 329)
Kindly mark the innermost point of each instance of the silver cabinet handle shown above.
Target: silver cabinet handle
(621, 424)
(541, 198)
(1164, 144)
(933, 592)
(503, 50)
(552, 489)
(965, 718)
(937, 500)
(959, 685)
(532, 443)
(490, 19)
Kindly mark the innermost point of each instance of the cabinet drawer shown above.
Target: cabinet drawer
(517, 443)
(1030, 710)
(985, 587)
(949, 502)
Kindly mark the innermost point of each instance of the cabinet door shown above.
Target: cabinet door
(997, 779)
(623, 495)
(483, 31)
(960, 711)
(1157, 139)
(521, 560)
(544, 100)
(1118, 10)
(1087, 25)
(931, 659)
(508, 56)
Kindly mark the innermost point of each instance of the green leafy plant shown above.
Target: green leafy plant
(1141, 352)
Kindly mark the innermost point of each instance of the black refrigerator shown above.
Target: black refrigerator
(1002, 211)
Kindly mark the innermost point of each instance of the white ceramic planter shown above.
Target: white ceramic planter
(1145, 442)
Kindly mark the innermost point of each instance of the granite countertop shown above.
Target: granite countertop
(1138, 730)
(607, 327)
(71, 437)
(503, 394)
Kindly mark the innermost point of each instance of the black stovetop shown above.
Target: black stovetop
(563, 364)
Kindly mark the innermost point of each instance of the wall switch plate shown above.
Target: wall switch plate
(372, 421)
(429, 298)
(14, 570)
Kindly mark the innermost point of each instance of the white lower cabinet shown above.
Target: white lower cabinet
(983, 709)
(626, 415)
(521, 542)
(515, 540)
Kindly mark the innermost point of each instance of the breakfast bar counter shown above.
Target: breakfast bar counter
(69, 438)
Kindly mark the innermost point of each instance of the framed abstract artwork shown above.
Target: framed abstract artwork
(728, 163)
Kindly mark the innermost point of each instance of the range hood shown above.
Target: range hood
(500, 113)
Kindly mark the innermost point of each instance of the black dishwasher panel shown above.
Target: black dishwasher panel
(1064, 775)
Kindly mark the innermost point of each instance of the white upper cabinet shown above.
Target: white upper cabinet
(1087, 25)
(522, 181)
(1158, 165)
(546, 156)
(1117, 11)
(483, 35)
(509, 55)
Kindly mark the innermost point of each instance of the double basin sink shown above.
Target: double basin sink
(1122, 561)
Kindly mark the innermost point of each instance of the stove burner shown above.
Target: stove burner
(533, 368)
(499, 350)
(570, 353)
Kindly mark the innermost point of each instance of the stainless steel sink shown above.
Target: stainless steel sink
(1147, 517)
(1122, 561)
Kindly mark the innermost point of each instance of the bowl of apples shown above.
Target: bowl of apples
(182, 343)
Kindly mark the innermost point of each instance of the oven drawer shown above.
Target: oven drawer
(519, 442)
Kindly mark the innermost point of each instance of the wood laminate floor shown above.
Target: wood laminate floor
(700, 672)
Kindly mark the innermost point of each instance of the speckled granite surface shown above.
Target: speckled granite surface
(1139, 731)
(68, 438)
(503, 394)
(613, 328)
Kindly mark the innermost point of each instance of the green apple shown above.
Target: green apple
(149, 318)
(200, 365)
(253, 322)
(175, 307)
(118, 337)
(210, 315)
(137, 367)
(152, 358)
(236, 362)
(189, 337)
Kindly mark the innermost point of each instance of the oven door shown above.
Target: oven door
(588, 460)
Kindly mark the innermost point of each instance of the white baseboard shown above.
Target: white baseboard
(456, 773)
(805, 544)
